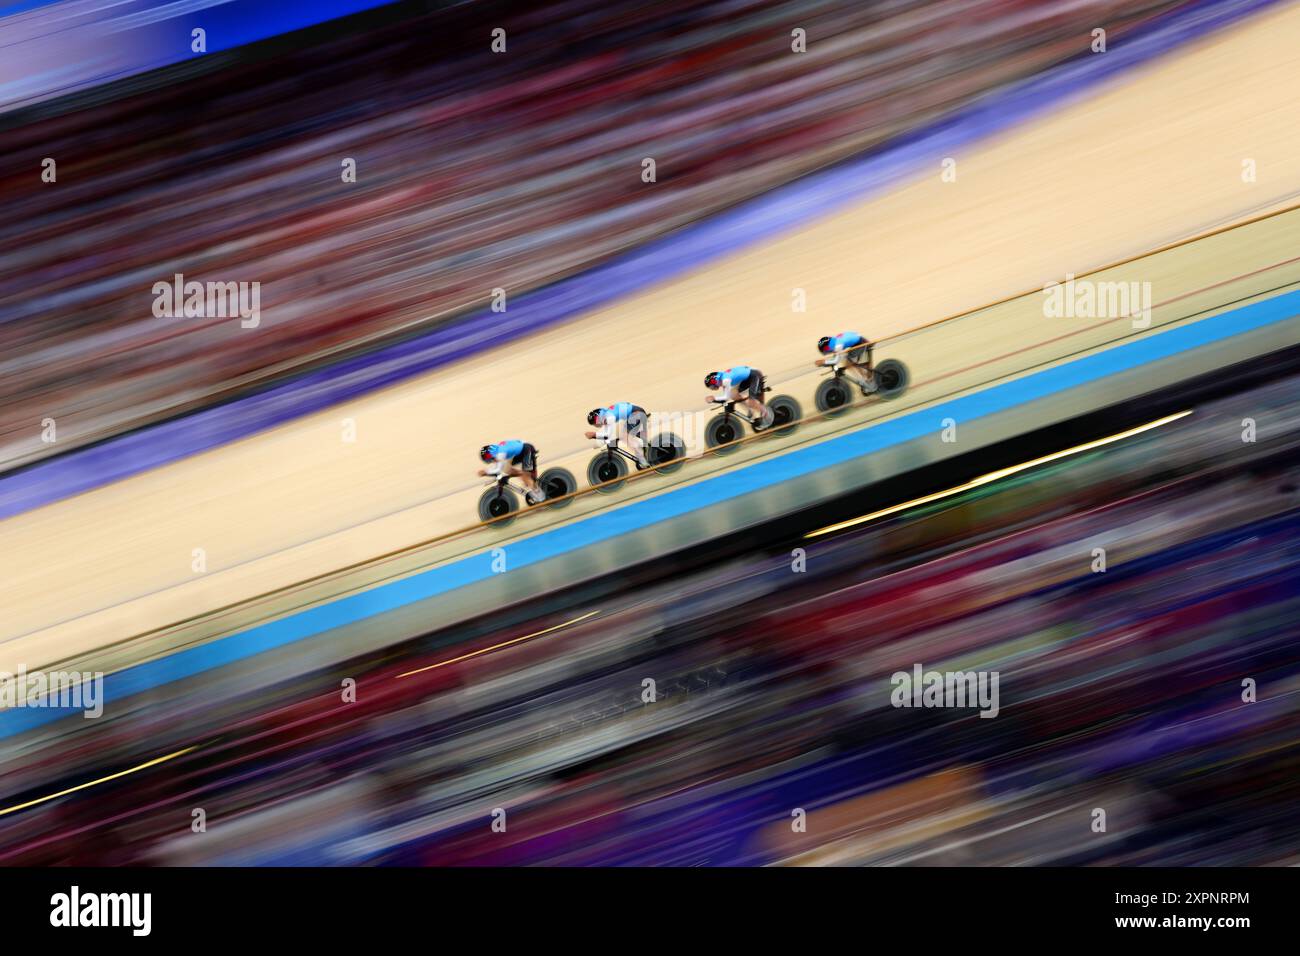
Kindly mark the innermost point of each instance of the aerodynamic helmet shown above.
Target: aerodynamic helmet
(824, 344)
(713, 380)
(486, 453)
(595, 415)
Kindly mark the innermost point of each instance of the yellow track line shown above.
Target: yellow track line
(996, 475)
(497, 647)
(92, 783)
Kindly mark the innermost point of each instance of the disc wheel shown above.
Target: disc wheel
(667, 453)
(785, 415)
(558, 483)
(606, 472)
(723, 432)
(498, 505)
(833, 397)
(892, 378)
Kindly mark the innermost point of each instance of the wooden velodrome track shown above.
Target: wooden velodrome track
(1152, 159)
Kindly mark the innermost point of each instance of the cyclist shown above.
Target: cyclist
(514, 459)
(731, 383)
(622, 420)
(846, 349)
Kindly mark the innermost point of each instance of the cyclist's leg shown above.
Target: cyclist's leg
(635, 428)
(863, 372)
(862, 375)
(754, 399)
(527, 465)
(511, 470)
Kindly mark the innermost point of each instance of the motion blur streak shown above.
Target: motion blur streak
(995, 475)
(94, 783)
(497, 647)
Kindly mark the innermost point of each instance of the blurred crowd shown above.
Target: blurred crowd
(1137, 603)
(473, 171)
